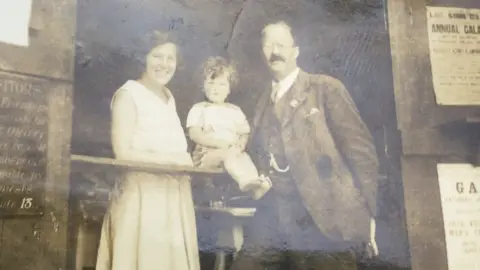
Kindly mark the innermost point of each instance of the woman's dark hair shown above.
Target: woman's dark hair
(157, 38)
(219, 66)
(143, 46)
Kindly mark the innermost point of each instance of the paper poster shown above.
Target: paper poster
(454, 41)
(14, 21)
(460, 196)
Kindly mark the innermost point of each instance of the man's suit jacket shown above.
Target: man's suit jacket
(331, 155)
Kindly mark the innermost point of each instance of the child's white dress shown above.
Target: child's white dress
(226, 121)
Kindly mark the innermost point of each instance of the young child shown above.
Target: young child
(221, 130)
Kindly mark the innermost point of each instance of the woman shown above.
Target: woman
(150, 223)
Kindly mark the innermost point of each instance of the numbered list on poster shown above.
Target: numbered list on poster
(454, 41)
(23, 146)
(460, 196)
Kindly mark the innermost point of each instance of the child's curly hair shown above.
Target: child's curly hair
(218, 66)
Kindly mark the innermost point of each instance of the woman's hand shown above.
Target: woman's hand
(197, 157)
(209, 158)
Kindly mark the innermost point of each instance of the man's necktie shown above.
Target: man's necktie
(275, 91)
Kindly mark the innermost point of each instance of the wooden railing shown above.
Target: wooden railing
(92, 187)
(150, 167)
(90, 201)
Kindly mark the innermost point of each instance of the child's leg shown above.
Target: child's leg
(242, 170)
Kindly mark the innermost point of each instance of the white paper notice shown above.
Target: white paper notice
(460, 194)
(454, 40)
(14, 21)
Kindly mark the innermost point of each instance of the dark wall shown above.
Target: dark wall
(109, 37)
(344, 38)
(431, 134)
(37, 239)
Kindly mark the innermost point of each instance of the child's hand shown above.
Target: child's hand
(241, 142)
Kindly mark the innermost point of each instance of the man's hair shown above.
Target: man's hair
(282, 23)
(218, 66)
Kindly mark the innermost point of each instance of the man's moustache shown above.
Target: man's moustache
(276, 58)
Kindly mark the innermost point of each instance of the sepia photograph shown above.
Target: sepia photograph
(284, 110)
(239, 134)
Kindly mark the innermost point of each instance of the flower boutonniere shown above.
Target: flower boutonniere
(294, 103)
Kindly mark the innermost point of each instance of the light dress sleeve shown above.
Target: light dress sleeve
(195, 117)
(123, 121)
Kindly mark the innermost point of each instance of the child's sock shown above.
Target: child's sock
(251, 185)
(259, 192)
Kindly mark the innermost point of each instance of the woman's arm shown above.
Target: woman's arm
(124, 115)
(123, 124)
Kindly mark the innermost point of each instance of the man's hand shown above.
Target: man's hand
(372, 245)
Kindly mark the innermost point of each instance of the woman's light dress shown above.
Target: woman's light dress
(150, 223)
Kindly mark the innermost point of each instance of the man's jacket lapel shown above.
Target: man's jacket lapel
(260, 109)
(299, 93)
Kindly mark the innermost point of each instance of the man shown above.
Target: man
(310, 141)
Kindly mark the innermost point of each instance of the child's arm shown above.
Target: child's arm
(199, 136)
(195, 127)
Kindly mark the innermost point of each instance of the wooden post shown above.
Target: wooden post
(35, 118)
(430, 134)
